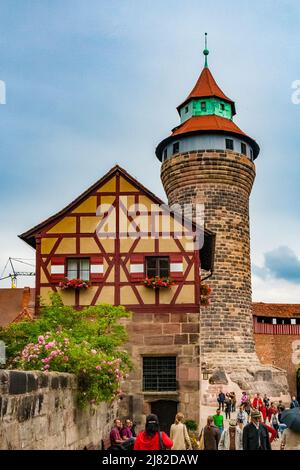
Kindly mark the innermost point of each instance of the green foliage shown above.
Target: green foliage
(86, 343)
(191, 425)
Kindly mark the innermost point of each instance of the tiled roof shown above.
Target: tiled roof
(261, 309)
(207, 123)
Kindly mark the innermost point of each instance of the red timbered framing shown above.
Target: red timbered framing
(117, 259)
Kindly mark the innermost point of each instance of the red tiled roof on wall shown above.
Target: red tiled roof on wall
(261, 309)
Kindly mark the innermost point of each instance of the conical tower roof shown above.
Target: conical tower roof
(205, 87)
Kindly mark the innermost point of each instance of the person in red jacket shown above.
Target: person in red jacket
(152, 438)
(257, 402)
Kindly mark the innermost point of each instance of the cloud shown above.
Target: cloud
(280, 263)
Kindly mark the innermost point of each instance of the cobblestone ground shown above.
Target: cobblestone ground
(210, 410)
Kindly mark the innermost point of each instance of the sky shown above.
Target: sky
(92, 84)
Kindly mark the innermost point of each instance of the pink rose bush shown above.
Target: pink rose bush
(86, 343)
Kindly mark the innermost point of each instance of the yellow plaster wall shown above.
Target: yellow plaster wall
(68, 296)
(123, 277)
(145, 201)
(111, 276)
(89, 205)
(128, 296)
(191, 275)
(43, 277)
(88, 245)
(108, 244)
(107, 296)
(66, 246)
(89, 224)
(125, 186)
(147, 294)
(108, 187)
(166, 295)
(109, 200)
(145, 245)
(66, 225)
(86, 296)
(44, 294)
(186, 296)
(47, 244)
(168, 244)
(126, 244)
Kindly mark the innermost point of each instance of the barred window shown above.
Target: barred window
(159, 373)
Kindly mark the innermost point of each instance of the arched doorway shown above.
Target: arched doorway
(166, 411)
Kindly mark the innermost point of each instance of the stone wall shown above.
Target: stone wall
(222, 181)
(163, 334)
(278, 350)
(38, 411)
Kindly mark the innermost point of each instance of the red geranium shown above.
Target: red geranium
(205, 292)
(73, 284)
(158, 282)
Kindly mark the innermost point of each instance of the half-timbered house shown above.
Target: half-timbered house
(114, 237)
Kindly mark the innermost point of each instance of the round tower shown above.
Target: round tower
(209, 160)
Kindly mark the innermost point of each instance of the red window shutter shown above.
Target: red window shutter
(57, 270)
(96, 268)
(176, 266)
(136, 269)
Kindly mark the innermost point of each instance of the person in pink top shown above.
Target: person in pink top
(244, 398)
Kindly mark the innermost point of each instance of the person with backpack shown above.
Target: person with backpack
(152, 438)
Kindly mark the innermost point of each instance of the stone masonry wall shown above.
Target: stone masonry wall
(223, 182)
(163, 334)
(278, 350)
(38, 411)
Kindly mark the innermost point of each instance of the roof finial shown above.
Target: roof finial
(206, 51)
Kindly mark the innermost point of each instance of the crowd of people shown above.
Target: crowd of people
(256, 425)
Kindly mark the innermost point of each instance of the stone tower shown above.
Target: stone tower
(208, 160)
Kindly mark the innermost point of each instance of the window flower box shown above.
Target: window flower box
(158, 282)
(74, 284)
(205, 292)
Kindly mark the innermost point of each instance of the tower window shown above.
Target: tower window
(243, 148)
(78, 268)
(157, 266)
(165, 154)
(229, 144)
(186, 109)
(159, 373)
(176, 147)
(251, 155)
(222, 106)
(203, 106)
